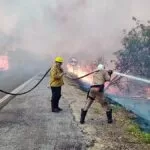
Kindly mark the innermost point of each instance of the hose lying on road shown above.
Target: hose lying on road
(15, 94)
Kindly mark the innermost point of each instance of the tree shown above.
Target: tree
(134, 57)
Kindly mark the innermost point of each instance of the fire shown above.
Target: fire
(81, 71)
(113, 90)
(4, 65)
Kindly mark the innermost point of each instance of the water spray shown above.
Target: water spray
(132, 77)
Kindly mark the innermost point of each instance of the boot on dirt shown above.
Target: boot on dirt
(83, 114)
(109, 116)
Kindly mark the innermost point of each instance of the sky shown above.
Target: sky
(86, 29)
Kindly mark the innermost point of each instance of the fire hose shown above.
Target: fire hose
(110, 83)
(16, 94)
(82, 76)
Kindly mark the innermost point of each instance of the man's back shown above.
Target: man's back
(100, 77)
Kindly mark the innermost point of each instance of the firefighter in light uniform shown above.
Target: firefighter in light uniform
(56, 82)
(97, 92)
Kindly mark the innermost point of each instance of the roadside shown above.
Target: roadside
(121, 135)
(27, 123)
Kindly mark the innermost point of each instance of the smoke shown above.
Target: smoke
(82, 28)
(7, 23)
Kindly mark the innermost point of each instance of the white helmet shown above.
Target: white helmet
(100, 67)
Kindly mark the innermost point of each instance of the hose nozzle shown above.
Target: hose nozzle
(110, 72)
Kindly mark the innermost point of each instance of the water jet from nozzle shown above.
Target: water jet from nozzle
(131, 77)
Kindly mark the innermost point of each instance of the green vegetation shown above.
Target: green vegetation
(134, 57)
(135, 130)
(116, 108)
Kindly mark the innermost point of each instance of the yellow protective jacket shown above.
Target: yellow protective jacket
(55, 79)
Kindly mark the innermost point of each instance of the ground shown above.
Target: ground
(27, 123)
(102, 135)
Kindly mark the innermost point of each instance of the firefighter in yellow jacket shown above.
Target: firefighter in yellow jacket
(96, 91)
(56, 82)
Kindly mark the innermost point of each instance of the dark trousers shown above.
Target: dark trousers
(56, 94)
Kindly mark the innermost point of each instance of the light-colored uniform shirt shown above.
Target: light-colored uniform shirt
(100, 77)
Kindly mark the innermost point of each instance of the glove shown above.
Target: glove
(110, 72)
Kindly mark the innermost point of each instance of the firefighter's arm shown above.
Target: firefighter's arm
(62, 72)
(110, 72)
(55, 74)
(107, 76)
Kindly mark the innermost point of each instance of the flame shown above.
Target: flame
(4, 65)
(113, 90)
(81, 71)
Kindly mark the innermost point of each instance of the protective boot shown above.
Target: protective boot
(53, 107)
(57, 106)
(60, 109)
(83, 114)
(109, 116)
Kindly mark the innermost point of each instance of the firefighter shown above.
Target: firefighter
(96, 91)
(56, 82)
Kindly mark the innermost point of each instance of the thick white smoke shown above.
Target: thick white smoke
(82, 28)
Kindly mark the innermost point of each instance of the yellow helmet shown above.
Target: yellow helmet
(59, 59)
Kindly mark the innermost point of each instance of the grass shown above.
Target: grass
(132, 127)
(116, 108)
(135, 130)
(97, 108)
(97, 111)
